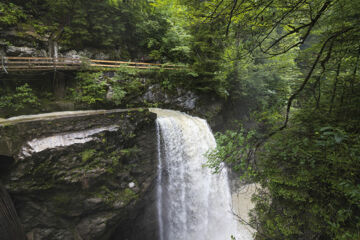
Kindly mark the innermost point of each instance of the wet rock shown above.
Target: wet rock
(187, 100)
(25, 52)
(109, 93)
(71, 54)
(101, 56)
(180, 99)
(73, 172)
(154, 94)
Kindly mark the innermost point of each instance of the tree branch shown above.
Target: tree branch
(303, 38)
(318, 81)
(230, 17)
(355, 70)
(280, 20)
(216, 8)
(335, 86)
(307, 78)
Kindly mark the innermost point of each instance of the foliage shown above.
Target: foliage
(126, 83)
(311, 173)
(232, 146)
(131, 29)
(292, 65)
(22, 98)
(90, 88)
(10, 14)
(118, 95)
(295, 63)
(176, 42)
(87, 154)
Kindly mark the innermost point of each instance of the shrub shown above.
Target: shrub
(90, 88)
(22, 98)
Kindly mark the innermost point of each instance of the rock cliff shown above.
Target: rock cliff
(81, 175)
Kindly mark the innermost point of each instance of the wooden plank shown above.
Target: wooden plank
(123, 62)
(25, 62)
(37, 67)
(133, 63)
(120, 66)
(42, 65)
(29, 58)
(47, 63)
(41, 58)
(106, 65)
(141, 67)
(33, 62)
(113, 66)
(108, 61)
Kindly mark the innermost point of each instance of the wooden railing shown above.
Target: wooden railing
(10, 64)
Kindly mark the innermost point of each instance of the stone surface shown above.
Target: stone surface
(95, 189)
(71, 54)
(181, 99)
(24, 51)
(86, 53)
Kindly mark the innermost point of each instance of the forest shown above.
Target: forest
(291, 65)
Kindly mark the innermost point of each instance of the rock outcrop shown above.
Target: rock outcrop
(81, 175)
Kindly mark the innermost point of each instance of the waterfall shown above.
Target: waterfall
(192, 202)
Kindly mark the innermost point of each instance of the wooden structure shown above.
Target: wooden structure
(11, 64)
(10, 225)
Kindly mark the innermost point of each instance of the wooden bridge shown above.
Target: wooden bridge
(11, 64)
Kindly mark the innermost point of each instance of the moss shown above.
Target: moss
(107, 195)
(111, 196)
(61, 199)
(128, 195)
(87, 154)
(62, 202)
(129, 151)
(32, 185)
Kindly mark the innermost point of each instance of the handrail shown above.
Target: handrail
(63, 63)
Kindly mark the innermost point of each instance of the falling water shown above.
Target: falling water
(192, 202)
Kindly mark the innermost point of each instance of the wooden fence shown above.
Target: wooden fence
(11, 64)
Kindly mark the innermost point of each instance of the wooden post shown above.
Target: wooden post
(10, 226)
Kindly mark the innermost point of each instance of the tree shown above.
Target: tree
(123, 28)
(308, 164)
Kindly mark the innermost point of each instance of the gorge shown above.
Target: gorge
(116, 174)
(277, 81)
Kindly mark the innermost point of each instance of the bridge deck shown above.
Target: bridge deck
(10, 64)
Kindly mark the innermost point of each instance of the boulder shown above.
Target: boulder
(185, 100)
(81, 175)
(24, 52)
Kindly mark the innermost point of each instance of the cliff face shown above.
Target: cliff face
(82, 175)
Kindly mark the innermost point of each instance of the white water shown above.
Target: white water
(193, 203)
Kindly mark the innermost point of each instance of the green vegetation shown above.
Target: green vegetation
(295, 66)
(113, 196)
(90, 89)
(87, 154)
(290, 67)
(22, 98)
